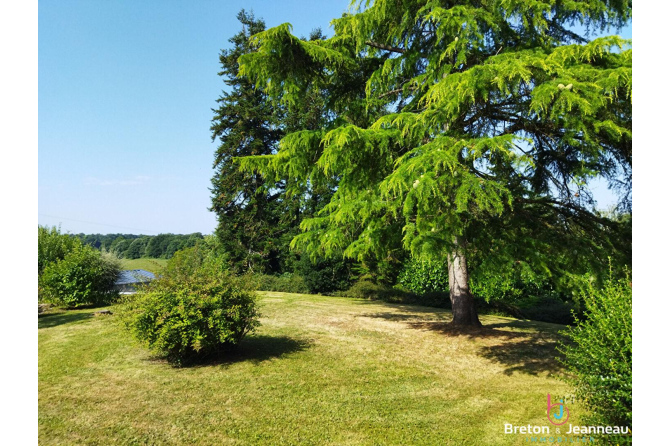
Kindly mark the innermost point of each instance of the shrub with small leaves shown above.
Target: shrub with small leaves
(601, 351)
(513, 282)
(286, 283)
(324, 275)
(52, 245)
(196, 309)
(515, 289)
(83, 276)
(365, 289)
(424, 276)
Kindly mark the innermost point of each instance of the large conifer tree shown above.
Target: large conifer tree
(246, 124)
(480, 125)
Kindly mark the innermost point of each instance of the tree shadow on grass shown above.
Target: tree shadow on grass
(525, 324)
(416, 316)
(255, 349)
(533, 355)
(520, 346)
(55, 319)
(532, 352)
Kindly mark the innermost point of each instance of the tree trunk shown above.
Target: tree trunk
(462, 302)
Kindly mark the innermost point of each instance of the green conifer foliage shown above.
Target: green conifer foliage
(458, 124)
(245, 124)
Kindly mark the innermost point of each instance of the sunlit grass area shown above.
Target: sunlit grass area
(320, 370)
(152, 265)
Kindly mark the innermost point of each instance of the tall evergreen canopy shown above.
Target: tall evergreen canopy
(245, 124)
(468, 128)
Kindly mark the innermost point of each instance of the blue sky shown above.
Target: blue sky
(125, 95)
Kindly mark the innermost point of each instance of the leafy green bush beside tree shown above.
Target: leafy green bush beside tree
(423, 276)
(285, 283)
(71, 273)
(324, 276)
(53, 246)
(518, 290)
(600, 354)
(83, 277)
(194, 310)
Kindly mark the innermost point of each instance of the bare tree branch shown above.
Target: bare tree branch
(381, 46)
(392, 92)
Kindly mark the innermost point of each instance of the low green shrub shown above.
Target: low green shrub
(194, 310)
(516, 290)
(600, 353)
(366, 289)
(83, 276)
(515, 283)
(539, 309)
(424, 276)
(53, 246)
(497, 286)
(363, 289)
(438, 299)
(547, 309)
(325, 276)
(286, 283)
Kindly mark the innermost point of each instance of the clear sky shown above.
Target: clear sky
(126, 90)
(125, 95)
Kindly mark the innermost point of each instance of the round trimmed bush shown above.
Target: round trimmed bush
(195, 310)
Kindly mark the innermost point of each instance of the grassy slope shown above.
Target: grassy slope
(320, 370)
(151, 265)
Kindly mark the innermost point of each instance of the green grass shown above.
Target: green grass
(320, 370)
(152, 265)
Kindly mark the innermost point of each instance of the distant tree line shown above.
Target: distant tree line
(132, 246)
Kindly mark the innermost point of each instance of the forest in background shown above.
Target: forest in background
(132, 246)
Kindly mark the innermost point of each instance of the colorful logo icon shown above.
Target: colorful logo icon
(557, 413)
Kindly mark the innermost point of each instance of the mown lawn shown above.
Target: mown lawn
(152, 265)
(319, 371)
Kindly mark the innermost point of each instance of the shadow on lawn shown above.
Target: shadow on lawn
(55, 319)
(256, 349)
(532, 355)
(532, 351)
(416, 316)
